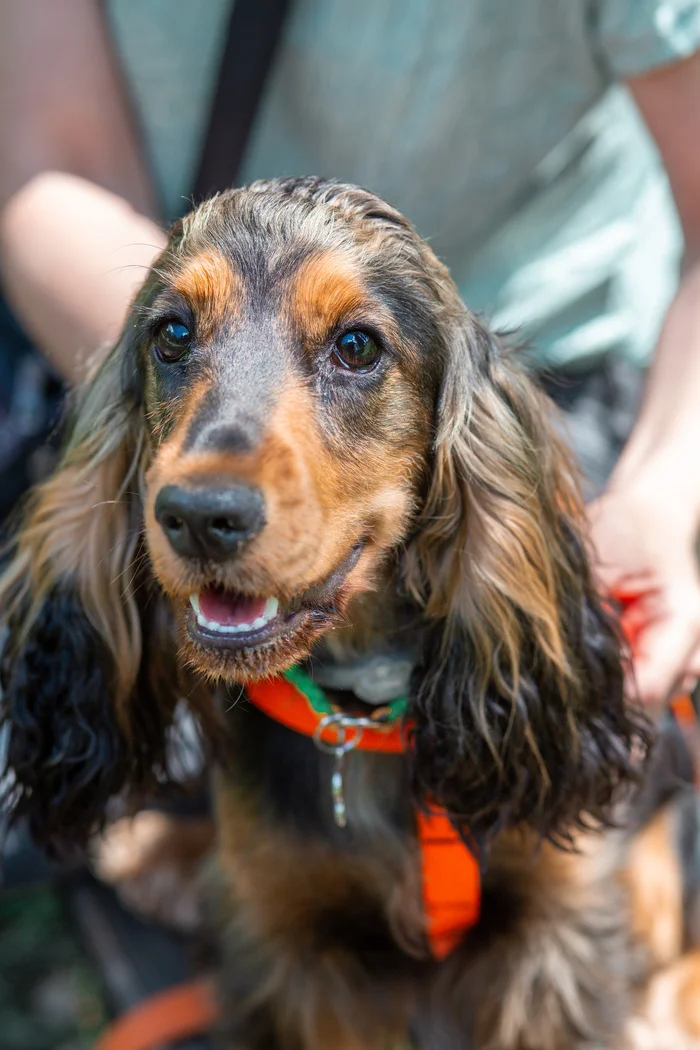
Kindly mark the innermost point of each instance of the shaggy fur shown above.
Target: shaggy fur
(428, 496)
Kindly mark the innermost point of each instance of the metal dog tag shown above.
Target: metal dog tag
(339, 724)
(338, 791)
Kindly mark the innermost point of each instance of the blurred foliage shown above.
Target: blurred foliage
(50, 994)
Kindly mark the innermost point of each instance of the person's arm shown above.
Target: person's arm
(76, 206)
(645, 525)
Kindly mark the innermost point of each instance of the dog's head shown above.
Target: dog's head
(299, 399)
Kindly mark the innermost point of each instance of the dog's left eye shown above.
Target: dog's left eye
(356, 351)
(172, 341)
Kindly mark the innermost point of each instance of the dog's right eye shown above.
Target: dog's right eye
(172, 341)
(357, 351)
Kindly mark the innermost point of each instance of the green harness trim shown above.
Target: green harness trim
(319, 702)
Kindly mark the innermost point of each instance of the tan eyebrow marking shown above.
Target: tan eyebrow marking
(211, 287)
(327, 288)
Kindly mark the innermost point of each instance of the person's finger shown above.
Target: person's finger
(665, 651)
(693, 667)
(688, 683)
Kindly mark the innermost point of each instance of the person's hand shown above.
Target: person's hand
(644, 536)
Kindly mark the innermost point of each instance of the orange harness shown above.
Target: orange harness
(450, 873)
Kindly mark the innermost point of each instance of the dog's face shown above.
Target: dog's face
(291, 367)
(299, 406)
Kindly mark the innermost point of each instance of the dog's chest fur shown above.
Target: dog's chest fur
(275, 799)
(308, 904)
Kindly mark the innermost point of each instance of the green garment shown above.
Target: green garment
(497, 126)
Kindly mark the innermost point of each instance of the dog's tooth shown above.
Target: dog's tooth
(269, 612)
(220, 628)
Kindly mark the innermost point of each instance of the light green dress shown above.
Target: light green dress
(496, 126)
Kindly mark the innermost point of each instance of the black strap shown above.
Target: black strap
(254, 31)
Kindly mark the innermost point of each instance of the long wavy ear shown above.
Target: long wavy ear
(518, 713)
(72, 597)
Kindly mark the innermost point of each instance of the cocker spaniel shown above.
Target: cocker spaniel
(307, 476)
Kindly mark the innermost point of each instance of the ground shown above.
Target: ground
(50, 993)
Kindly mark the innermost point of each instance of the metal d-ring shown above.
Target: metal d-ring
(340, 723)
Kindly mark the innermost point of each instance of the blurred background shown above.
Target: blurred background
(549, 150)
(51, 994)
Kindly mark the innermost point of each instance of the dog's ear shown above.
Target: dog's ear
(518, 714)
(84, 715)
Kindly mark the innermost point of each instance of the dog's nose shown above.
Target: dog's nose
(209, 523)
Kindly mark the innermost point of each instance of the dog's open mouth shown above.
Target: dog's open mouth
(227, 620)
(224, 619)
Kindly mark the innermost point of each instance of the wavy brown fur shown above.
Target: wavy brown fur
(443, 470)
(87, 715)
(521, 675)
(523, 668)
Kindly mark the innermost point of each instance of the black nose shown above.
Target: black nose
(209, 523)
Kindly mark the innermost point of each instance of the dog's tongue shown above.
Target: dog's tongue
(230, 609)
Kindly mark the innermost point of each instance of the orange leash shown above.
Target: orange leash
(684, 711)
(686, 716)
(177, 1013)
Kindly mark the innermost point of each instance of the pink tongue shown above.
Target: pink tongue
(230, 609)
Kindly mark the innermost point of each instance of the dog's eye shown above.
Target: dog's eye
(357, 351)
(172, 341)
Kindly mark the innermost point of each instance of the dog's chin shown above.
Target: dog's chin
(253, 657)
(240, 637)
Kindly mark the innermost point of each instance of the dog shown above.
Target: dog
(305, 452)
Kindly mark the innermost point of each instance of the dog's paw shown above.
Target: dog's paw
(157, 864)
